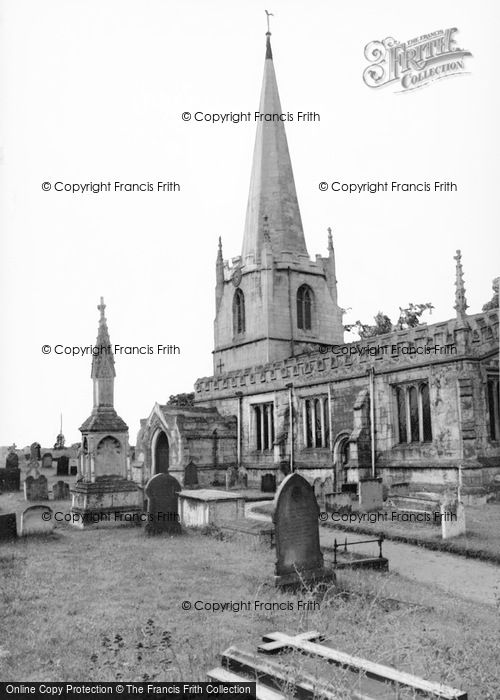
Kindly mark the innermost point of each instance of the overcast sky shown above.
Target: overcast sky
(94, 91)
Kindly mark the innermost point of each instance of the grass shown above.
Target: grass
(481, 541)
(106, 604)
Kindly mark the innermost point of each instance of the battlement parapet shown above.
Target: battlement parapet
(395, 351)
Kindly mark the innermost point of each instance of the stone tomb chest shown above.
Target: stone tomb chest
(202, 507)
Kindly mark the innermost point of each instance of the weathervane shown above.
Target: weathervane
(269, 14)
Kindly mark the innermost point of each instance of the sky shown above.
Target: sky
(95, 92)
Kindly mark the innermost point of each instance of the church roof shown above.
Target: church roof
(273, 208)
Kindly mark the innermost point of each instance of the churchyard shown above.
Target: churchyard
(111, 604)
(481, 539)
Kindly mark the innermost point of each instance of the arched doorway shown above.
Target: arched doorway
(161, 454)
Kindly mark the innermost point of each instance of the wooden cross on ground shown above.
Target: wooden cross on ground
(277, 642)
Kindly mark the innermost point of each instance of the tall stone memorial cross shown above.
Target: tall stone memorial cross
(298, 554)
(163, 509)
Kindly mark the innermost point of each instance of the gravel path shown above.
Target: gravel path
(469, 578)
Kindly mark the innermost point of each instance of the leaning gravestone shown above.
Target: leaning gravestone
(8, 527)
(60, 491)
(36, 489)
(163, 509)
(37, 520)
(298, 554)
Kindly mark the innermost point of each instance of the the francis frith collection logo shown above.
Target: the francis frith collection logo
(416, 62)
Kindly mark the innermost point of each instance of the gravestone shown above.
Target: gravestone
(230, 477)
(191, 475)
(37, 520)
(268, 483)
(36, 489)
(47, 461)
(163, 509)
(452, 518)
(370, 495)
(62, 466)
(242, 478)
(327, 486)
(400, 488)
(338, 503)
(10, 479)
(73, 466)
(318, 490)
(12, 461)
(35, 451)
(60, 491)
(295, 517)
(33, 469)
(8, 527)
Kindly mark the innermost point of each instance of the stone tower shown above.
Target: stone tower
(273, 301)
(105, 490)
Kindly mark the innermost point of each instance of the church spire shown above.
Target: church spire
(460, 300)
(272, 195)
(103, 363)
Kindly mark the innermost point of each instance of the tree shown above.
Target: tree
(383, 324)
(409, 317)
(493, 303)
(181, 400)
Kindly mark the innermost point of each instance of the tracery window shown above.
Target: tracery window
(263, 426)
(238, 312)
(414, 412)
(304, 307)
(316, 422)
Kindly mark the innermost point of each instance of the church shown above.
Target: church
(287, 394)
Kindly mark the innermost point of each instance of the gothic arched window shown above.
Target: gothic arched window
(414, 412)
(304, 307)
(238, 312)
